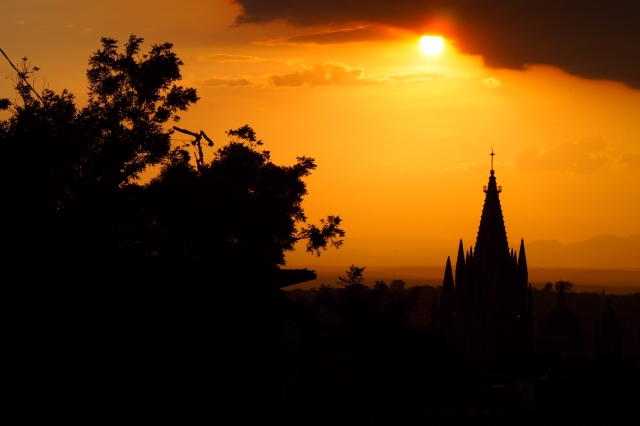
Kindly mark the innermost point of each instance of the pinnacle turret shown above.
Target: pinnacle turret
(523, 270)
(522, 260)
(448, 297)
(460, 264)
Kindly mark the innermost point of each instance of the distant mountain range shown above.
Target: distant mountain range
(604, 261)
(603, 252)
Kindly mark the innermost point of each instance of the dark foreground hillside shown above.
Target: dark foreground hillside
(412, 376)
(183, 345)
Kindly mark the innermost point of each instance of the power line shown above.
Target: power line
(21, 75)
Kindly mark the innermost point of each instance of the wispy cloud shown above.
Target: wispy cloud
(584, 156)
(340, 36)
(491, 82)
(221, 81)
(332, 73)
(224, 57)
(461, 167)
(321, 74)
(631, 160)
(409, 78)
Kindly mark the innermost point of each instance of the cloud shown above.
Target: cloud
(346, 35)
(631, 160)
(223, 57)
(461, 167)
(491, 82)
(591, 39)
(331, 74)
(321, 74)
(221, 81)
(583, 156)
(421, 77)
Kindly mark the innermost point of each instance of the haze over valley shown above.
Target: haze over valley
(603, 261)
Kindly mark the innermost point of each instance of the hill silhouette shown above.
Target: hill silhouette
(602, 252)
(603, 261)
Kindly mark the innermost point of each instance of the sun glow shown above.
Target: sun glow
(431, 45)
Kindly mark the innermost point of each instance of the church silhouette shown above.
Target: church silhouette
(486, 311)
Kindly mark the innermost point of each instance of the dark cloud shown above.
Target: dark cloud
(348, 35)
(596, 39)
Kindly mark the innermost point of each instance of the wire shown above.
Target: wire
(21, 76)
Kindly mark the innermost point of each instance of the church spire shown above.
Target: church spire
(489, 310)
(491, 245)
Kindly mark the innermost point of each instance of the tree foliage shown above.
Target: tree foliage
(131, 96)
(354, 277)
(241, 207)
(397, 285)
(563, 286)
(67, 154)
(356, 305)
(75, 173)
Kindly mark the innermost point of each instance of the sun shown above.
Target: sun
(431, 45)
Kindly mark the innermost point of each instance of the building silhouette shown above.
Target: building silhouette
(561, 331)
(609, 329)
(485, 306)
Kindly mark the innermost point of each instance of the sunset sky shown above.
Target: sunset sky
(401, 138)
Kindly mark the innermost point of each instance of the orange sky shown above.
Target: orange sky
(401, 139)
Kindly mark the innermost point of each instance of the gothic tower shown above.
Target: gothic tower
(487, 313)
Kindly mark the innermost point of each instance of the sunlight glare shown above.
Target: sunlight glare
(431, 45)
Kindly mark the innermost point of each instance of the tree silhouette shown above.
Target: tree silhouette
(397, 285)
(140, 278)
(563, 286)
(354, 304)
(131, 96)
(243, 211)
(76, 173)
(69, 167)
(354, 277)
